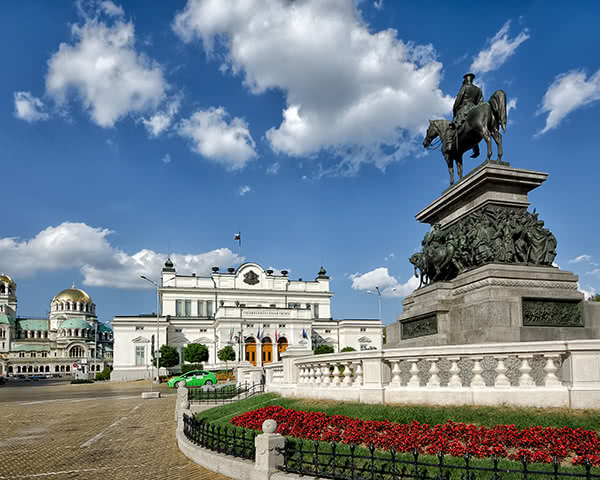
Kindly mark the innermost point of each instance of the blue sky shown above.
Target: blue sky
(129, 132)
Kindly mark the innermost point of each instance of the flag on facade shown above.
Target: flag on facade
(275, 335)
(238, 236)
(258, 333)
(304, 335)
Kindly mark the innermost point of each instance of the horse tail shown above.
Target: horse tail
(498, 103)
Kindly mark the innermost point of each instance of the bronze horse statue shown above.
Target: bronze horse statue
(483, 122)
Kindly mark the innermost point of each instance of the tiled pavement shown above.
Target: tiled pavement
(103, 438)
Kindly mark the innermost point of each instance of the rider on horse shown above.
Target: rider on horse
(469, 96)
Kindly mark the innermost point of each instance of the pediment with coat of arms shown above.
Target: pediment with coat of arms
(251, 278)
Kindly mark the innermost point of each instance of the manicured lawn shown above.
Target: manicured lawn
(488, 416)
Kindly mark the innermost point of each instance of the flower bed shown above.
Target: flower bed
(539, 444)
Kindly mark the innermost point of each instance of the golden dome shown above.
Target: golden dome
(73, 294)
(7, 279)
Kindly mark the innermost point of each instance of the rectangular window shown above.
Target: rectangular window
(363, 329)
(140, 355)
(137, 327)
(316, 310)
(188, 308)
(210, 310)
(363, 346)
(178, 330)
(282, 325)
(272, 305)
(201, 309)
(203, 330)
(179, 308)
(21, 354)
(266, 325)
(327, 331)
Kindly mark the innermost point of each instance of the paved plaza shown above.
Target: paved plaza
(98, 431)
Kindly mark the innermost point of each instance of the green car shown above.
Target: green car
(195, 378)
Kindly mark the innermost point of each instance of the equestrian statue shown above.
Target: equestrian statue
(474, 120)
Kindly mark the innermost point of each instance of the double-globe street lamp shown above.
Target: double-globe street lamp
(378, 293)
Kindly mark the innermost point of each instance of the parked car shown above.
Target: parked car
(195, 378)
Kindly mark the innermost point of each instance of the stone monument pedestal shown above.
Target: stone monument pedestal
(497, 283)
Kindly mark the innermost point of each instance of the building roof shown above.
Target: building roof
(29, 348)
(32, 324)
(74, 323)
(104, 327)
(73, 294)
(7, 279)
(6, 319)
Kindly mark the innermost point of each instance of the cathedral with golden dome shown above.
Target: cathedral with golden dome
(70, 340)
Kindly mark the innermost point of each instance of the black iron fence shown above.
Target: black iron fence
(233, 441)
(348, 462)
(224, 394)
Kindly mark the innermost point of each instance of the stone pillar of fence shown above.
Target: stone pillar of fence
(268, 458)
(181, 403)
(290, 372)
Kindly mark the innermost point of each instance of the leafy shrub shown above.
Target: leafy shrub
(195, 353)
(323, 349)
(104, 374)
(348, 349)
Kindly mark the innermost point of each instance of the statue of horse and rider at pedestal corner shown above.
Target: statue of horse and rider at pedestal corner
(474, 120)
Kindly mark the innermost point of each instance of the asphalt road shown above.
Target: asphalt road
(20, 391)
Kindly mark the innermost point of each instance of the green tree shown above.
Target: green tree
(322, 349)
(348, 349)
(195, 353)
(169, 357)
(595, 298)
(226, 354)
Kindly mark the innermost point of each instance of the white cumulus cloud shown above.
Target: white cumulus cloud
(389, 285)
(78, 245)
(273, 169)
(568, 92)
(28, 107)
(103, 68)
(244, 190)
(499, 49)
(162, 119)
(167, 158)
(361, 95)
(229, 144)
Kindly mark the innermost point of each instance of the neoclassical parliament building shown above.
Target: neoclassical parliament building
(258, 312)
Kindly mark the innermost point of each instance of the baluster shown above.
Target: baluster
(502, 380)
(336, 375)
(358, 374)
(326, 378)
(311, 374)
(525, 379)
(414, 380)
(396, 380)
(454, 381)
(319, 374)
(304, 374)
(477, 381)
(434, 380)
(347, 374)
(551, 380)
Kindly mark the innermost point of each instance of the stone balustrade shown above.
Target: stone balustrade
(556, 374)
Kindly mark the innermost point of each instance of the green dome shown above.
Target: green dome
(103, 327)
(74, 323)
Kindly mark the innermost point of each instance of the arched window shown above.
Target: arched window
(76, 351)
(47, 369)
(68, 368)
(57, 369)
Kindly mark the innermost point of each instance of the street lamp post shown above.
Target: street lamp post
(378, 293)
(157, 379)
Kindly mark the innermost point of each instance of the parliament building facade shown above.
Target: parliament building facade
(258, 312)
